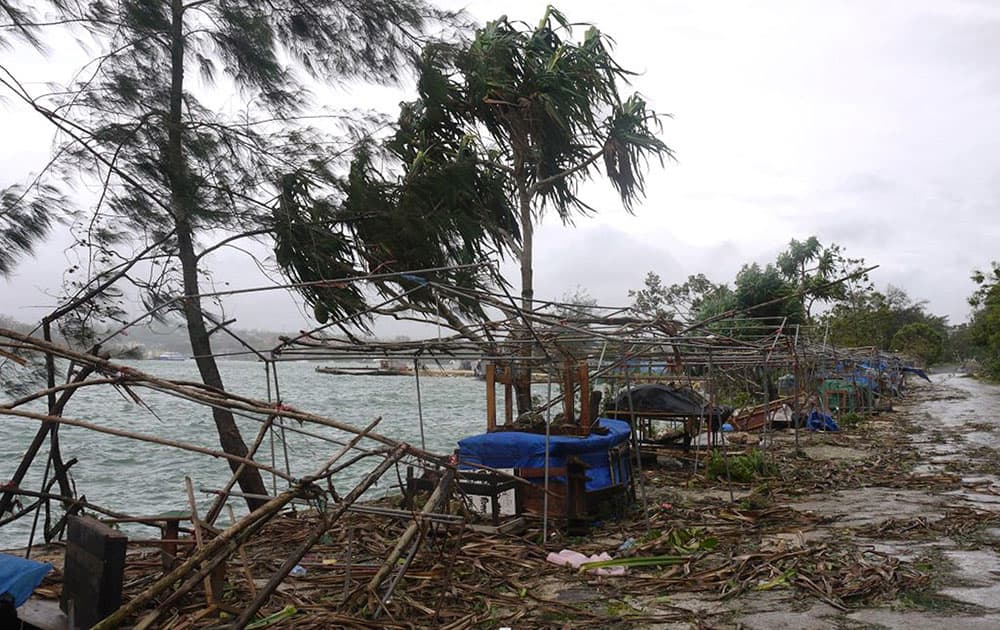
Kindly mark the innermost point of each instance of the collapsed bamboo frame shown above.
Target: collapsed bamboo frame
(611, 342)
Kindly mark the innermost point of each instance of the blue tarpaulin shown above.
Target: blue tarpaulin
(918, 372)
(817, 421)
(19, 577)
(514, 449)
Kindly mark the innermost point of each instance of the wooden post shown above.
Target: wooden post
(168, 552)
(93, 570)
(568, 393)
(508, 397)
(491, 398)
(576, 496)
(440, 495)
(585, 418)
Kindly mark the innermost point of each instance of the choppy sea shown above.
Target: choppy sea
(143, 479)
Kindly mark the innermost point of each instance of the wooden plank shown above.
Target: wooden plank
(508, 397)
(150, 519)
(568, 396)
(534, 473)
(513, 526)
(168, 555)
(95, 536)
(491, 398)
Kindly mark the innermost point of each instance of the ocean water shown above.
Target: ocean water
(144, 479)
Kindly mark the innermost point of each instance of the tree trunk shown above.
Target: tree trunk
(527, 236)
(522, 377)
(251, 482)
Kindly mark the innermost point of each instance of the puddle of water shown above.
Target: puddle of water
(817, 617)
(834, 452)
(985, 596)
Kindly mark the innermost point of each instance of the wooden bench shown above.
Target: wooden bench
(170, 530)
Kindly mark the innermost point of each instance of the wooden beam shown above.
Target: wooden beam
(568, 396)
(508, 397)
(491, 397)
(585, 419)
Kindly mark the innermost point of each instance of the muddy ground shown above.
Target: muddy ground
(904, 507)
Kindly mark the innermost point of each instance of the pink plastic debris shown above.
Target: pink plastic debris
(570, 558)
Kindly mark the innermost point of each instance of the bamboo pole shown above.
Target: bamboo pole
(216, 508)
(210, 594)
(326, 522)
(143, 438)
(243, 558)
(213, 551)
(321, 471)
(440, 493)
(201, 393)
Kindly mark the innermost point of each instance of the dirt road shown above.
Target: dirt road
(915, 492)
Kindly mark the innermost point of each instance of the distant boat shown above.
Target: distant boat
(171, 356)
(364, 371)
(385, 367)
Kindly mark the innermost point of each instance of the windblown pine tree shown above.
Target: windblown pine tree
(175, 173)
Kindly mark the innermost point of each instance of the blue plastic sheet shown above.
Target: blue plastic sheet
(19, 577)
(514, 449)
(817, 421)
(918, 372)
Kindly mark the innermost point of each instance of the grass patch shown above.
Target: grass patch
(931, 601)
(850, 420)
(742, 468)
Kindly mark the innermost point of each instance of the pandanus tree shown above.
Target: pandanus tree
(179, 178)
(542, 112)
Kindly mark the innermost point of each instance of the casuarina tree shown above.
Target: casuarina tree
(175, 172)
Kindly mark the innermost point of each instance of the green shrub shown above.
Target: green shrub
(850, 420)
(743, 468)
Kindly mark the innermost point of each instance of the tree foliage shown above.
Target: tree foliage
(984, 328)
(813, 267)
(765, 293)
(652, 300)
(25, 218)
(874, 318)
(684, 299)
(919, 341)
(174, 171)
(538, 112)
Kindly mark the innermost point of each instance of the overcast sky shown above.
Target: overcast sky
(870, 123)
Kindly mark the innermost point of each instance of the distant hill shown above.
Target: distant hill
(152, 340)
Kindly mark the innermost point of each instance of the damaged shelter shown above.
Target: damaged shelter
(561, 448)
